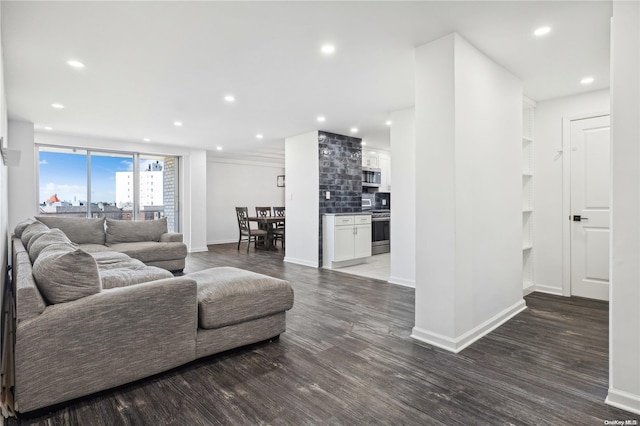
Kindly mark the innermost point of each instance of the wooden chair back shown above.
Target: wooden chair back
(263, 211)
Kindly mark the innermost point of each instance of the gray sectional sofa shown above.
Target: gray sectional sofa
(89, 318)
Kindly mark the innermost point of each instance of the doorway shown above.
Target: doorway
(589, 148)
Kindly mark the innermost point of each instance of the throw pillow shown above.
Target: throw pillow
(42, 241)
(64, 273)
(80, 230)
(31, 231)
(132, 231)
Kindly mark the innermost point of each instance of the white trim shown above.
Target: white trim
(566, 195)
(623, 400)
(402, 281)
(198, 250)
(224, 241)
(301, 262)
(455, 345)
(549, 289)
(275, 164)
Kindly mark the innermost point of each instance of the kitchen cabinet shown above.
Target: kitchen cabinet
(385, 173)
(370, 160)
(346, 239)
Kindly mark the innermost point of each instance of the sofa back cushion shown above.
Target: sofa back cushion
(31, 231)
(42, 241)
(79, 230)
(131, 231)
(21, 226)
(64, 273)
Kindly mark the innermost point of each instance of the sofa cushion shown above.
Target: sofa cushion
(41, 241)
(21, 226)
(80, 230)
(149, 251)
(31, 231)
(126, 276)
(128, 231)
(94, 248)
(228, 296)
(64, 273)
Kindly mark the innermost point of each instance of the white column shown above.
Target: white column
(468, 123)
(403, 205)
(23, 187)
(624, 315)
(301, 199)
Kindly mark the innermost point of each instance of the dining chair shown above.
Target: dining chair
(278, 231)
(263, 211)
(244, 228)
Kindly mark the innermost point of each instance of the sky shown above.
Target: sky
(65, 174)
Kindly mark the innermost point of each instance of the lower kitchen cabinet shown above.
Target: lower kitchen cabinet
(346, 239)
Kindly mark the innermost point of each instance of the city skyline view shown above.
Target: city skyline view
(65, 174)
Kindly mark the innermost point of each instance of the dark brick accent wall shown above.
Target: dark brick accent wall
(341, 174)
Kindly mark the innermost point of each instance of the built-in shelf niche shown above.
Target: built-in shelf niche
(528, 111)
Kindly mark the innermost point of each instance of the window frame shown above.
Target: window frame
(136, 178)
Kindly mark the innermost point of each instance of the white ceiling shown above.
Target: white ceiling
(149, 64)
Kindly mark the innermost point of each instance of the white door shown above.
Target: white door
(362, 241)
(590, 207)
(343, 248)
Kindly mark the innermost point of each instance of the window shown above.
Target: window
(88, 183)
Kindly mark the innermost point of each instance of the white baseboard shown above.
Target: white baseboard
(198, 249)
(302, 262)
(225, 241)
(557, 291)
(459, 343)
(402, 281)
(623, 400)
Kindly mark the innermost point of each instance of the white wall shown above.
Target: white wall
(548, 215)
(403, 206)
(5, 246)
(23, 188)
(303, 205)
(624, 296)
(231, 185)
(22, 180)
(468, 117)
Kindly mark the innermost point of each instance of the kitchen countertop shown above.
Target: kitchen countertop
(346, 214)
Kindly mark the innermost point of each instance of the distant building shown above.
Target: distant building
(151, 187)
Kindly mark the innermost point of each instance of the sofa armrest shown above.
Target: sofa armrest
(105, 340)
(171, 237)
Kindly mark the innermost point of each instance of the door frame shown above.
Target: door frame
(566, 195)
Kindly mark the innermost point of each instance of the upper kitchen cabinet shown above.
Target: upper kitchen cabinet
(370, 159)
(379, 160)
(384, 162)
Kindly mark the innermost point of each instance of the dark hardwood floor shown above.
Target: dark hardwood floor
(347, 358)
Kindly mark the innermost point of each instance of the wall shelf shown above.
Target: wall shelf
(528, 110)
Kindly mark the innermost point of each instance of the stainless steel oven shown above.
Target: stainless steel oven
(380, 232)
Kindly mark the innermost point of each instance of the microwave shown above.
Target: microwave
(371, 177)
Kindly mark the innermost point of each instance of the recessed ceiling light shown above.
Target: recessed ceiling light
(57, 106)
(146, 140)
(321, 119)
(219, 148)
(48, 128)
(177, 123)
(354, 130)
(259, 136)
(229, 98)
(373, 152)
(75, 64)
(539, 32)
(363, 143)
(388, 123)
(587, 80)
(328, 49)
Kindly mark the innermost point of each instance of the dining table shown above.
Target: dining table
(268, 223)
